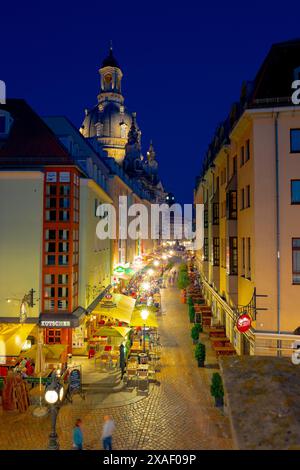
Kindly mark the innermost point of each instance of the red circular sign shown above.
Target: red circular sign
(243, 323)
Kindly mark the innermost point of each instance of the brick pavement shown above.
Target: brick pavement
(177, 414)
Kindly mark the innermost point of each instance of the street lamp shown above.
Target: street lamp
(156, 263)
(54, 394)
(144, 315)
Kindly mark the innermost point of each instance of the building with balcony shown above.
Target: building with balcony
(250, 187)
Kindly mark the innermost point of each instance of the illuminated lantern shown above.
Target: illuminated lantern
(243, 323)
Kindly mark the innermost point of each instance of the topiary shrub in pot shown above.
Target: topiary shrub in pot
(190, 300)
(200, 354)
(195, 334)
(199, 327)
(217, 390)
(192, 313)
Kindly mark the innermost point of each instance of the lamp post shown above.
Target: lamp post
(144, 315)
(54, 394)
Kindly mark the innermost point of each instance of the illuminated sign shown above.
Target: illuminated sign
(55, 323)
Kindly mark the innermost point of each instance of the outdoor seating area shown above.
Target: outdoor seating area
(203, 314)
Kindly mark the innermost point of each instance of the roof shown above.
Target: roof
(30, 141)
(110, 60)
(262, 398)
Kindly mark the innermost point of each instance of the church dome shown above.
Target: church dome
(110, 121)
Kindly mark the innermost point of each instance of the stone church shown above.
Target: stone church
(116, 130)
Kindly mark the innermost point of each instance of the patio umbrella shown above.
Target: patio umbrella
(40, 358)
(113, 331)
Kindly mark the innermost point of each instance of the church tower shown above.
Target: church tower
(109, 121)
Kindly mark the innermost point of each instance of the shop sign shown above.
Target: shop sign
(55, 323)
(243, 323)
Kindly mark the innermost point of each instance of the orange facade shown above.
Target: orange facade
(60, 248)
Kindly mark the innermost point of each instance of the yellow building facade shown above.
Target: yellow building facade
(250, 189)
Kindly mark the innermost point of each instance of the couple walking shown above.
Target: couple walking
(107, 432)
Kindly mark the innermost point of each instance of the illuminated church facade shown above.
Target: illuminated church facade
(116, 130)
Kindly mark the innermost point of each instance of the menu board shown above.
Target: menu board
(75, 381)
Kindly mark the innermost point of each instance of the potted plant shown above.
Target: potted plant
(192, 313)
(190, 300)
(199, 327)
(217, 390)
(200, 354)
(195, 334)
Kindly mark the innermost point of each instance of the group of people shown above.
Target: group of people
(107, 432)
(25, 367)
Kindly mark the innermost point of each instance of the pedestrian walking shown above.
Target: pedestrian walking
(107, 432)
(77, 435)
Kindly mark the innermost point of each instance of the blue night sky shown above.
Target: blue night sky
(183, 64)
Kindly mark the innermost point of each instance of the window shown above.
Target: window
(63, 234)
(62, 304)
(231, 201)
(215, 213)
(248, 195)
(49, 279)
(53, 336)
(295, 191)
(50, 234)
(49, 292)
(242, 199)
(63, 260)
(296, 260)
(51, 202)
(234, 165)
(205, 218)
(50, 260)
(63, 292)
(295, 140)
(50, 215)
(233, 255)
(51, 189)
(223, 253)
(64, 215)
(249, 257)
(242, 155)
(63, 279)
(247, 157)
(49, 305)
(50, 247)
(2, 124)
(216, 251)
(64, 202)
(64, 190)
(63, 247)
(205, 249)
(243, 257)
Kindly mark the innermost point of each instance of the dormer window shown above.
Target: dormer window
(297, 73)
(2, 124)
(5, 123)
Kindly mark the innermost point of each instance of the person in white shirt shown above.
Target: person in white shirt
(107, 432)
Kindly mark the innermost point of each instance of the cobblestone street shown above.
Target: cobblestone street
(178, 413)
